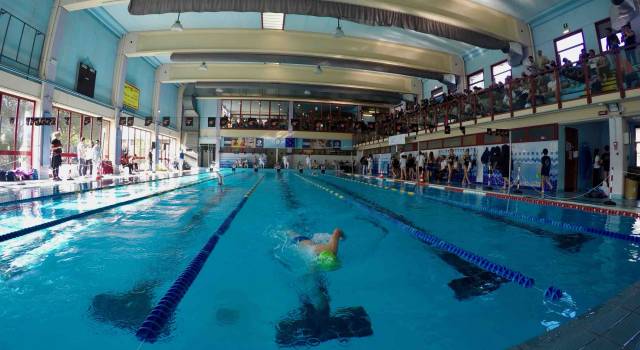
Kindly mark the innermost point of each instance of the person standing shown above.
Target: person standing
(605, 161)
(96, 156)
(150, 158)
(613, 42)
(370, 164)
(80, 153)
(629, 38)
(88, 159)
(421, 167)
(285, 162)
(56, 155)
(181, 160)
(597, 171)
(451, 159)
(466, 163)
(545, 170)
(403, 167)
(308, 161)
(363, 165)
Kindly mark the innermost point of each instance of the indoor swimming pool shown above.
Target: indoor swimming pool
(420, 268)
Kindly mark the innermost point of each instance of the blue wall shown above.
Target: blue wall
(207, 109)
(578, 14)
(141, 74)
(169, 102)
(88, 41)
(34, 12)
(429, 84)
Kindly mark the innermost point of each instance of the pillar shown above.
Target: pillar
(157, 116)
(48, 68)
(119, 77)
(218, 138)
(619, 154)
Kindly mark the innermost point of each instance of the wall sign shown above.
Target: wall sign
(131, 96)
(397, 140)
(41, 121)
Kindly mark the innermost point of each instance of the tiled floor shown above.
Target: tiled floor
(613, 325)
(25, 190)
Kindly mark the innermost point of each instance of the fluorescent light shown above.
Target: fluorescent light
(177, 26)
(272, 20)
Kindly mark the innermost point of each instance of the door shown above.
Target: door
(571, 160)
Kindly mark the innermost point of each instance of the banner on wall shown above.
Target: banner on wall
(211, 122)
(148, 121)
(122, 121)
(321, 144)
(290, 142)
(397, 140)
(188, 121)
(243, 142)
(86, 120)
(166, 121)
(130, 121)
(131, 96)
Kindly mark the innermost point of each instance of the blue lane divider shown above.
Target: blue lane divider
(63, 194)
(158, 318)
(48, 224)
(433, 241)
(544, 221)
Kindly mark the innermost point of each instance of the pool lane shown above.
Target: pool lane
(26, 218)
(99, 275)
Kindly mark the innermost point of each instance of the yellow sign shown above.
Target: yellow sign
(131, 96)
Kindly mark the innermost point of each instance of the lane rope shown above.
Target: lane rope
(160, 315)
(526, 218)
(52, 223)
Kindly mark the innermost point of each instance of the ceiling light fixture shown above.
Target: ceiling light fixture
(273, 20)
(318, 70)
(203, 67)
(339, 32)
(219, 90)
(177, 26)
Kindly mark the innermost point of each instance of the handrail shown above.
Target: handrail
(581, 78)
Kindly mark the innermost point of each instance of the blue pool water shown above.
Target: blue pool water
(91, 282)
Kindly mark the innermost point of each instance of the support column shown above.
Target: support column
(48, 68)
(117, 97)
(157, 116)
(617, 128)
(218, 138)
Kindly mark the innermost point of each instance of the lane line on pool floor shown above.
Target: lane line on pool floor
(52, 223)
(521, 217)
(159, 316)
(108, 187)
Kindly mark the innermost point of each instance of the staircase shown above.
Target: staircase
(190, 134)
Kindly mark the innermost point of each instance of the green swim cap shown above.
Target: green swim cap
(327, 261)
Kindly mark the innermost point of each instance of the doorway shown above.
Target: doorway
(207, 155)
(571, 160)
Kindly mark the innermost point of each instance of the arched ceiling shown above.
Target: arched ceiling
(433, 51)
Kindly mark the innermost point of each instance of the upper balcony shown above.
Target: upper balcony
(606, 77)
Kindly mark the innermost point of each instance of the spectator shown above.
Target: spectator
(96, 156)
(370, 164)
(466, 163)
(629, 38)
(597, 169)
(432, 166)
(411, 166)
(543, 61)
(56, 155)
(421, 163)
(395, 167)
(605, 160)
(545, 170)
(363, 165)
(613, 42)
(451, 160)
(403, 167)
(530, 68)
(80, 154)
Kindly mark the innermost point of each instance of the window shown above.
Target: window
(500, 72)
(569, 46)
(15, 134)
(602, 29)
(437, 92)
(72, 126)
(476, 80)
(136, 143)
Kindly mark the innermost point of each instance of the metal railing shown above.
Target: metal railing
(606, 73)
(22, 43)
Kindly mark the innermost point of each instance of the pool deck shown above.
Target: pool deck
(19, 191)
(562, 200)
(613, 325)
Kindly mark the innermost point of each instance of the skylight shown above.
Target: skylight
(271, 20)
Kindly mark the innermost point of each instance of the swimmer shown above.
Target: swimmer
(326, 253)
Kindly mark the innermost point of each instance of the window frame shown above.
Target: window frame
(440, 92)
(600, 38)
(469, 85)
(493, 75)
(565, 36)
(16, 153)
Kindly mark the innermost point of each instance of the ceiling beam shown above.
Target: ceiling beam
(303, 44)
(463, 14)
(288, 74)
(77, 5)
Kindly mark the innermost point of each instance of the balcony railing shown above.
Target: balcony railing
(606, 73)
